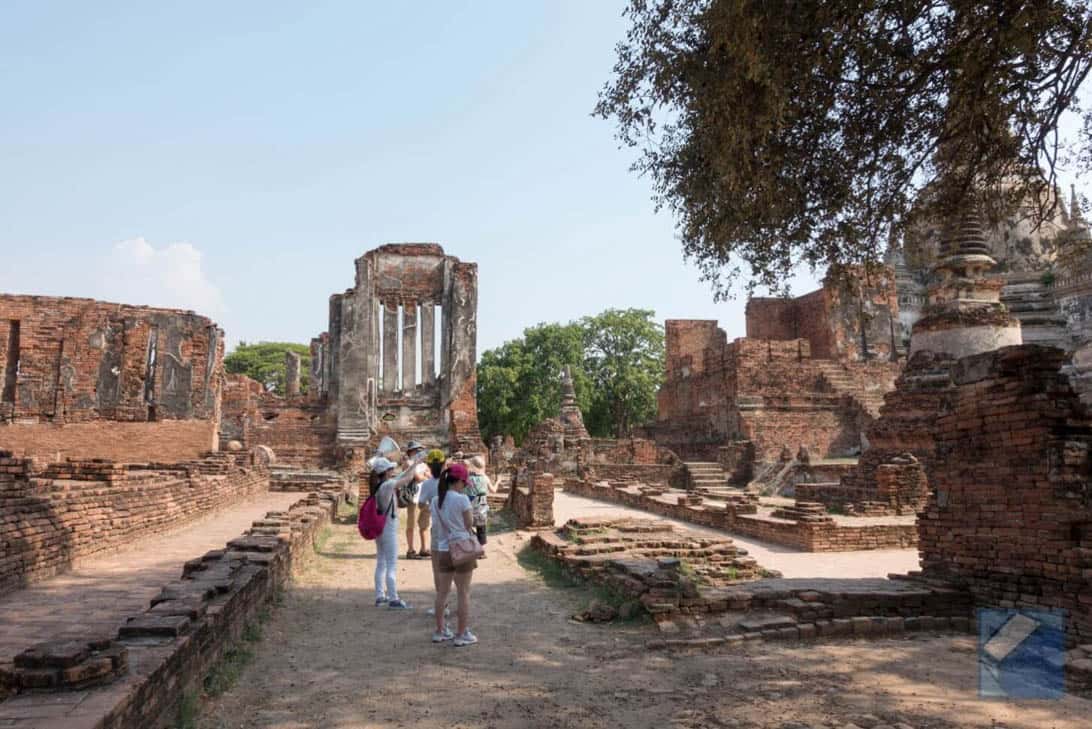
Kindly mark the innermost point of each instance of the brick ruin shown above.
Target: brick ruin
(85, 378)
(1009, 515)
(399, 357)
(810, 372)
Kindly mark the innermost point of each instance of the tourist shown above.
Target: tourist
(386, 547)
(452, 520)
(477, 490)
(407, 499)
(428, 491)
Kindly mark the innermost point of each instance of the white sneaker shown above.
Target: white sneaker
(466, 638)
(432, 612)
(446, 634)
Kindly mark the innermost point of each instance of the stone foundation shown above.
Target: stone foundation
(823, 536)
(531, 499)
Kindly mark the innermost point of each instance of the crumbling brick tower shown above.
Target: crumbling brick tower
(367, 363)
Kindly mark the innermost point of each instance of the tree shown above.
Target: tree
(781, 132)
(624, 357)
(264, 362)
(519, 382)
(617, 365)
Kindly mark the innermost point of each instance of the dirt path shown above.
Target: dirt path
(328, 658)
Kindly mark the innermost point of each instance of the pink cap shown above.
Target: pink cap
(458, 472)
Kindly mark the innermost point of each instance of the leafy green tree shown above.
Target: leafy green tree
(789, 131)
(264, 362)
(616, 361)
(519, 382)
(624, 358)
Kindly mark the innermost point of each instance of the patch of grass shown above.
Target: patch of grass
(225, 674)
(500, 522)
(322, 538)
(550, 570)
(346, 513)
(555, 576)
(186, 718)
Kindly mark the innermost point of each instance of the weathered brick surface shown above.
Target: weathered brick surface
(54, 514)
(531, 499)
(1011, 507)
(166, 441)
(771, 393)
(824, 536)
(81, 360)
(299, 430)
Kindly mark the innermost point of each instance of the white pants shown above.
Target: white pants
(386, 561)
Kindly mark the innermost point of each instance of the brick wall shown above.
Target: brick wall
(80, 360)
(300, 430)
(165, 441)
(55, 514)
(774, 392)
(853, 317)
(1011, 510)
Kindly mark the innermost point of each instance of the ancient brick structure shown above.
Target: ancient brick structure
(408, 300)
(531, 498)
(52, 514)
(298, 429)
(853, 317)
(772, 392)
(1010, 515)
(85, 378)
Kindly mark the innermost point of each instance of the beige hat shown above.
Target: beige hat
(477, 464)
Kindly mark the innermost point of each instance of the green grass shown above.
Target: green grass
(322, 538)
(500, 522)
(555, 576)
(346, 513)
(188, 709)
(227, 671)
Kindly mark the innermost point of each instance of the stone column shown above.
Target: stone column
(428, 343)
(390, 346)
(291, 374)
(409, 346)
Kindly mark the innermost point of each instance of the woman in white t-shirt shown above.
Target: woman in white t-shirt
(452, 519)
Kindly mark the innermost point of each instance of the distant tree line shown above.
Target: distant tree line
(617, 365)
(264, 362)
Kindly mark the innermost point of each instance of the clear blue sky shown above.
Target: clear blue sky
(235, 157)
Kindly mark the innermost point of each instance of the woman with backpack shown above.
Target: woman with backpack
(386, 545)
(453, 526)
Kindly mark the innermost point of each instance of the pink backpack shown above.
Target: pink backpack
(370, 522)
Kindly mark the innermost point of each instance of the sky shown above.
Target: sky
(235, 158)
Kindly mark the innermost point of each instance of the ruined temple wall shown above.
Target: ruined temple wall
(826, 432)
(405, 298)
(78, 360)
(299, 430)
(1010, 513)
(52, 515)
(853, 317)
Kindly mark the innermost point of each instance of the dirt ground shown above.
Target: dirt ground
(329, 658)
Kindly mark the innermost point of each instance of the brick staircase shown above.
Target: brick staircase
(836, 379)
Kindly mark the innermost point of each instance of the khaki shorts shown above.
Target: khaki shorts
(424, 516)
(445, 566)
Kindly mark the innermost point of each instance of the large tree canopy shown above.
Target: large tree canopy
(617, 365)
(798, 131)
